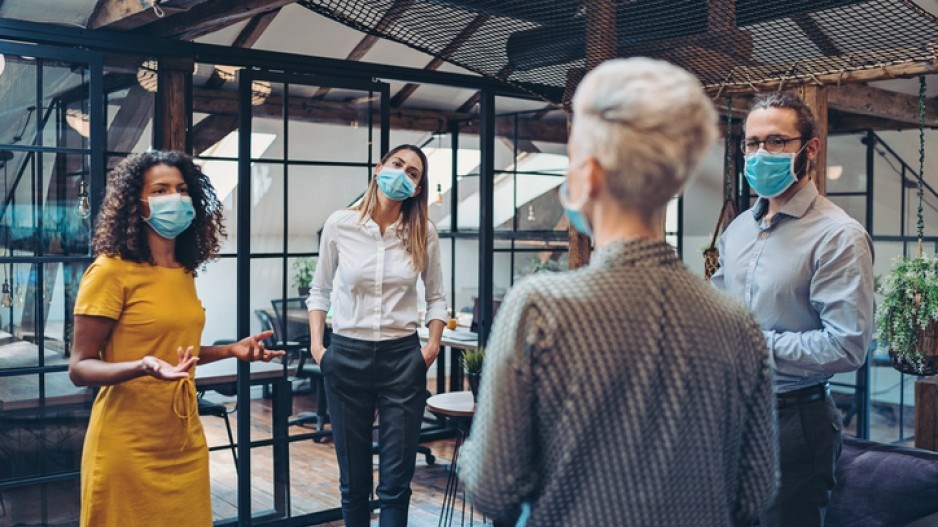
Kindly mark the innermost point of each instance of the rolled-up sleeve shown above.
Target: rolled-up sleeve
(432, 277)
(320, 291)
(841, 291)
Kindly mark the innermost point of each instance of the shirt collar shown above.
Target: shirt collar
(368, 221)
(796, 207)
(636, 252)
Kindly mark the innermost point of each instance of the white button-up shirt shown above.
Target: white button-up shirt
(377, 295)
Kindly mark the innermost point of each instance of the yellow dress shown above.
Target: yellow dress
(145, 460)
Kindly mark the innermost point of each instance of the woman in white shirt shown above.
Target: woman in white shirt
(377, 250)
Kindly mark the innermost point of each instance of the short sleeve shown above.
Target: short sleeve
(101, 292)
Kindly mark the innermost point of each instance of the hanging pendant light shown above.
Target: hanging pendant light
(439, 194)
(84, 206)
(531, 216)
(6, 300)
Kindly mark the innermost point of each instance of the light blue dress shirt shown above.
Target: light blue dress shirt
(807, 276)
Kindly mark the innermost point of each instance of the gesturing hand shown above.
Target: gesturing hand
(165, 371)
(252, 348)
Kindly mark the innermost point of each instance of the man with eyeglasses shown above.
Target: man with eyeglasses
(805, 270)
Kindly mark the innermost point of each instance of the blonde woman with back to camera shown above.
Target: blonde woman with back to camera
(627, 392)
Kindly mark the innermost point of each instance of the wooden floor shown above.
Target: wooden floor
(314, 472)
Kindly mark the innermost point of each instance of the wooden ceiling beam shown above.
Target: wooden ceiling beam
(845, 122)
(211, 16)
(883, 104)
(131, 14)
(440, 59)
(214, 128)
(219, 102)
(902, 70)
(368, 41)
(248, 36)
(472, 101)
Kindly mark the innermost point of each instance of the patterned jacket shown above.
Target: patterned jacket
(629, 392)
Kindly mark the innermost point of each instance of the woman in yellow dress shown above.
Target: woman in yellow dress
(138, 324)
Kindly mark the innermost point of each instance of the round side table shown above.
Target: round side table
(456, 409)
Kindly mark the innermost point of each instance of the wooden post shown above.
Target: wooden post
(816, 98)
(175, 79)
(579, 245)
(601, 43)
(926, 413)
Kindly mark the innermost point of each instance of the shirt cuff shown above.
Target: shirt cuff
(770, 344)
(436, 311)
(317, 303)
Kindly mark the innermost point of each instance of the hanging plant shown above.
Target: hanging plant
(907, 316)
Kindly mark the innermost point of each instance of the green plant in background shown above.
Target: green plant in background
(537, 265)
(909, 304)
(472, 360)
(303, 271)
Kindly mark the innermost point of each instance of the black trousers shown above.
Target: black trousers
(809, 444)
(362, 377)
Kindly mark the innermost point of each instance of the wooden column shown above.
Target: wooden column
(926, 413)
(172, 107)
(816, 98)
(601, 43)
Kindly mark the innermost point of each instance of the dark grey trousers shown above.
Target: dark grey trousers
(362, 377)
(809, 444)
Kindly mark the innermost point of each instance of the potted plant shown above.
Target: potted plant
(472, 365)
(303, 271)
(538, 265)
(907, 316)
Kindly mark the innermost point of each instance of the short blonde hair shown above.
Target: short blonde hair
(648, 124)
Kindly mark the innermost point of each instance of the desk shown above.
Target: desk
(19, 393)
(457, 408)
(455, 369)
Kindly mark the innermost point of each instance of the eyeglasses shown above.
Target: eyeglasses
(774, 144)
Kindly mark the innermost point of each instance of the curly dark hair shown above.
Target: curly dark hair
(122, 231)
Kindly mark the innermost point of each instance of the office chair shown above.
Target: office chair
(207, 407)
(210, 408)
(290, 314)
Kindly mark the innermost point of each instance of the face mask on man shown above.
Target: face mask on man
(769, 174)
(575, 213)
(170, 215)
(395, 184)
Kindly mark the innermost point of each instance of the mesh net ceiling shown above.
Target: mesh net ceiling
(533, 44)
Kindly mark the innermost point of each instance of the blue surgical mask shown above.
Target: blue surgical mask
(575, 212)
(770, 174)
(170, 214)
(395, 184)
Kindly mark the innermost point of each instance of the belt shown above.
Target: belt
(803, 395)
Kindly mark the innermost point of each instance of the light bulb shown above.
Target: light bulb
(84, 206)
(531, 216)
(20, 296)
(6, 300)
(439, 194)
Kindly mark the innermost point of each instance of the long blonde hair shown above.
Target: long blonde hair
(413, 232)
